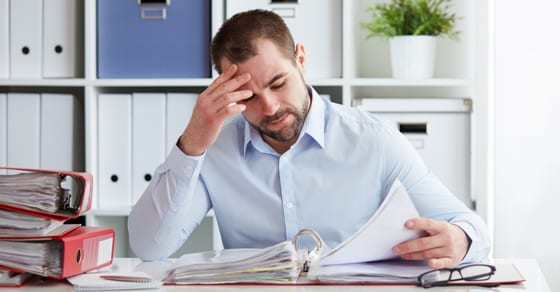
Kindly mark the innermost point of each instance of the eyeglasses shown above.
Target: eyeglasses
(443, 277)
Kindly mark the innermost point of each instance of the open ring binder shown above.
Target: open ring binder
(314, 253)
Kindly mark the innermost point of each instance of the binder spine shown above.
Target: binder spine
(86, 249)
(98, 251)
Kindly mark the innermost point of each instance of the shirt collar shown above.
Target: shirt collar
(314, 126)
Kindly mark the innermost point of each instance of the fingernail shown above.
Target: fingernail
(396, 250)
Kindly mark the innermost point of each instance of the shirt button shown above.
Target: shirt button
(289, 205)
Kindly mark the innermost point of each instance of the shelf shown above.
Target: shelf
(149, 82)
(63, 82)
(78, 82)
(325, 82)
(391, 82)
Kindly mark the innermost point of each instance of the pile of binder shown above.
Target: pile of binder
(34, 236)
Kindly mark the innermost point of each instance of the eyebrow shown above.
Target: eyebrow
(276, 77)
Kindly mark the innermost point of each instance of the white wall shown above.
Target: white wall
(526, 94)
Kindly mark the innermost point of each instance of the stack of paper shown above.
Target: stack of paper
(275, 264)
(34, 204)
(392, 271)
(52, 194)
(41, 191)
(12, 279)
(14, 223)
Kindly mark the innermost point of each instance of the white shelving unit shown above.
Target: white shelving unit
(460, 73)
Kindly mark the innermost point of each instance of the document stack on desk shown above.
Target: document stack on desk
(284, 263)
(34, 239)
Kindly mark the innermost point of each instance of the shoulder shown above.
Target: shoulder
(356, 119)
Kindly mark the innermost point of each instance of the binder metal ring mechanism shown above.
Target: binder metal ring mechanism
(307, 258)
(153, 9)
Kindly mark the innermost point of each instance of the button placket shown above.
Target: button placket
(288, 198)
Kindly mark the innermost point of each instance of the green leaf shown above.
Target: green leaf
(411, 17)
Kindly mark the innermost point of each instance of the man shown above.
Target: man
(271, 157)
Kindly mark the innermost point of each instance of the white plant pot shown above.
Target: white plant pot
(413, 57)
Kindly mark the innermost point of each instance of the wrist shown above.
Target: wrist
(187, 148)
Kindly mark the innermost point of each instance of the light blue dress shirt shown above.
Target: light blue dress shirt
(331, 180)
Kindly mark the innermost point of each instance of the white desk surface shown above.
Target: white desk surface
(529, 268)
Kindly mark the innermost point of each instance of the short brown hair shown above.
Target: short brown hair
(235, 39)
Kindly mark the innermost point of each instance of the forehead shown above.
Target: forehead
(267, 63)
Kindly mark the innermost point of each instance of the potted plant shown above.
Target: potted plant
(412, 27)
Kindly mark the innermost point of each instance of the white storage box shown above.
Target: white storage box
(317, 24)
(439, 129)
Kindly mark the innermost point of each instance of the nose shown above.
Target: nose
(269, 104)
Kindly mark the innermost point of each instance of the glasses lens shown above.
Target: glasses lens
(435, 276)
(476, 272)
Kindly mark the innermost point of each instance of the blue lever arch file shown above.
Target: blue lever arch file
(153, 39)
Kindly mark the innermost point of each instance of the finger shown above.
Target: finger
(226, 82)
(436, 258)
(434, 263)
(226, 75)
(428, 225)
(227, 105)
(418, 245)
(232, 98)
(231, 110)
(229, 86)
(217, 83)
(433, 253)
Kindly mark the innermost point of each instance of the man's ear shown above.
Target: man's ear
(300, 58)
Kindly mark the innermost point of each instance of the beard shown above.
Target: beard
(290, 131)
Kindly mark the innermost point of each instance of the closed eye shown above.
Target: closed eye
(278, 86)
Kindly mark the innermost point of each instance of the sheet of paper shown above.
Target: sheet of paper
(383, 230)
(384, 271)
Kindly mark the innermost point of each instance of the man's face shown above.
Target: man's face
(280, 102)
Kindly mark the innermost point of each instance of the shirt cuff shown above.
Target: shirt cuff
(184, 171)
(178, 161)
(479, 248)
